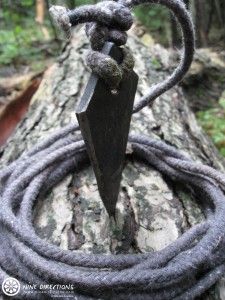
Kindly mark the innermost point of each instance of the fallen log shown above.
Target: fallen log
(152, 210)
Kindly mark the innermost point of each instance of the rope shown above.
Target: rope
(108, 21)
(183, 270)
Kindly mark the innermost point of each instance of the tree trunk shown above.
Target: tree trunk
(40, 11)
(201, 21)
(152, 211)
(40, 17)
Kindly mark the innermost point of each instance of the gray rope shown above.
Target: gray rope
(108, 21)
(184, 269)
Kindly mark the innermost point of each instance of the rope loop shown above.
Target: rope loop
(105, 21)
(181, 271)
(107, 68)
(109, 21)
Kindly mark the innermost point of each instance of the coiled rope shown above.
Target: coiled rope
(183, 270)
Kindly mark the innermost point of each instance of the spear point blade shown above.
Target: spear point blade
(104, 120)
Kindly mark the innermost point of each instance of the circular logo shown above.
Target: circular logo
(10, 286)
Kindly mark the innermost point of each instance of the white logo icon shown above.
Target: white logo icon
(10, 286)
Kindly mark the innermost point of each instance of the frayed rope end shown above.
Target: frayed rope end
(60, 17)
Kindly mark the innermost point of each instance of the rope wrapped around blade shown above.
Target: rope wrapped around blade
(182, 270)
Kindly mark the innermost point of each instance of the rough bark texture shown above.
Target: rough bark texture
(153, 211)
(205, 82)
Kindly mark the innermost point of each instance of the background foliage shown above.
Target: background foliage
(21, 39)
(213, 121)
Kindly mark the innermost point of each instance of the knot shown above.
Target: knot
(106, 21)
(109, 21)
(109, 24)
(108, 69)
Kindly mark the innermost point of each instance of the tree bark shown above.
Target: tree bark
(201, 21)
(40, 11)
(152, 210)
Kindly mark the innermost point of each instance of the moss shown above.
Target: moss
(213, 122)
(156, 63)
